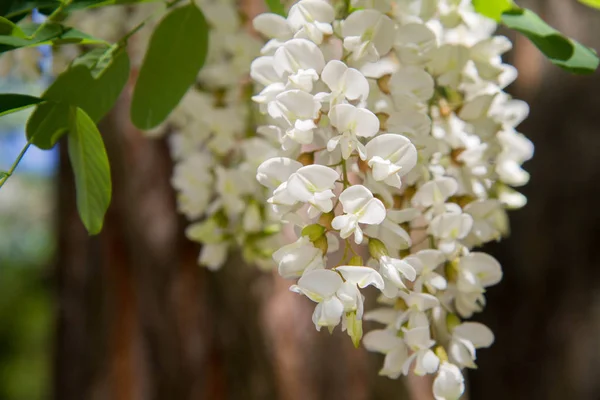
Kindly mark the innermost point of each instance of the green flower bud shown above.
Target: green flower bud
(377, 249)
(452, 321)
(314, 231)
(321, 243)
(354, 328)
(441, 353)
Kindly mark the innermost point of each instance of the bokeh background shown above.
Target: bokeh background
(129, 314)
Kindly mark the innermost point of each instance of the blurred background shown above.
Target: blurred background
(129, 314)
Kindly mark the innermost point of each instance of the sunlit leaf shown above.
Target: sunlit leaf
(493, 8)
(91, 169)
(175, 55)
(560, 50)
(591, 3)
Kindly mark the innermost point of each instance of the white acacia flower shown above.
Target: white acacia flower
(425, 263)
(449, 383)
(411, 85)
(274, 174)
(345, 84)
(311, 19)
(414, 43)
(435, 193)
(390, 157)
(368, 35)
(449, 228)
(387, 342)
(476, 271)
(393, 271)
(359, 207)
(466, 338)
(334, 295)
(296, 110)
(490, 221)
(300, 61)
(295, 258)
(321, 286)
(351, 122)
(313, 184)
(418, 339)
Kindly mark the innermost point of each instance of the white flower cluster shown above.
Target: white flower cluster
(395, 134)
(217, 152)
(213, 144)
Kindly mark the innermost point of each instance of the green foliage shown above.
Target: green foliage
(91, 168)
(276, 7)
(176, 53)
(591, 3)
(560, 50)
(102, 72)
(13, 37)
(493, 8)
(12, 102)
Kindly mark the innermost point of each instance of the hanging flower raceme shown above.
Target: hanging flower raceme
(396, 141)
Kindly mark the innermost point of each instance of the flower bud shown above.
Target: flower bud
(440, 352)
(314, 232)
(451, 270)
(452, 321)
(377, 249)
(321, 244)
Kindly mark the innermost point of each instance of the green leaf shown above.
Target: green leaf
(91, 169)
(591, 3)
(93, 83)
(175, 55)
(12, 102)
(51, 33)
(8, 28)
(276, 7)
(493, 8)
(560, 50)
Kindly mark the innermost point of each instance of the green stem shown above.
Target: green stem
(15, 164)
(50, 18)
(345, 180)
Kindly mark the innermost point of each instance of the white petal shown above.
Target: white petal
(427, 362)
(328, 313)
(381, 341)
(333, 74)
(435, 192)
(484, 266)
(394, 362)
(354, 198)
(478, 334)
(320, 284)
(272, 26)
(449, 383)
(361, 276)
(275, 171)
